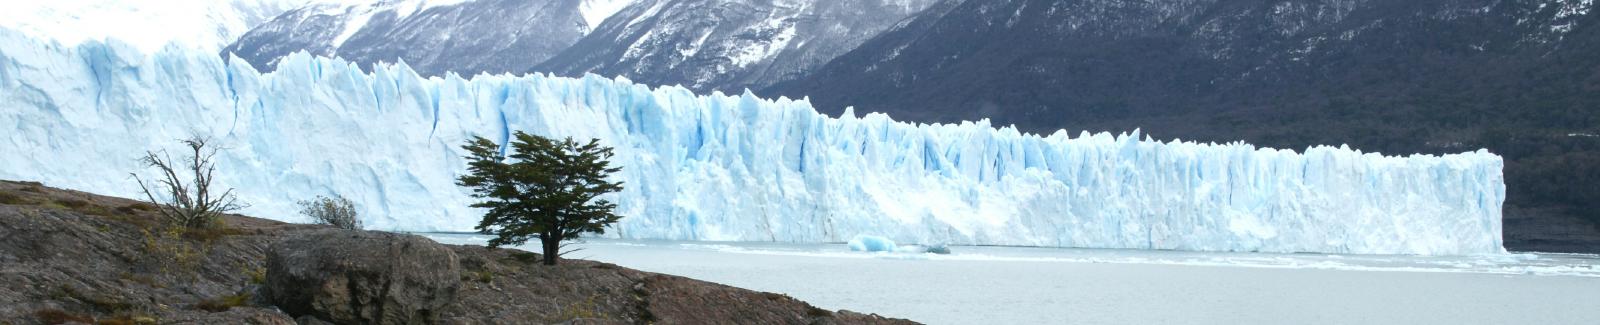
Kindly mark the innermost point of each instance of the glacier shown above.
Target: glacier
(717, 167)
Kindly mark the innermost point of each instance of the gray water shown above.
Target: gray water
(1020, 285)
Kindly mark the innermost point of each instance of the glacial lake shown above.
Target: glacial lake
(1024, 285)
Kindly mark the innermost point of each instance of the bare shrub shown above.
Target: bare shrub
(337, 211)
(191, 203)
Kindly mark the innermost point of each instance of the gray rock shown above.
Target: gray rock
(362, 277)
(309, 320)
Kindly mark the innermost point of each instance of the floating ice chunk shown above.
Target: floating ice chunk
(934, 249)
(923, 249)
(865, 243)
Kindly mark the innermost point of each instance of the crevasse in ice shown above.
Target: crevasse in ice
(718, 167)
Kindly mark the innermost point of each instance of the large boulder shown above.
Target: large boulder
(361, 277)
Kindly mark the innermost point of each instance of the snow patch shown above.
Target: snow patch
(761, 50)
(596, 11)
(357, 13)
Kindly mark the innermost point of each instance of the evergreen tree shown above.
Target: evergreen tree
(540, 188)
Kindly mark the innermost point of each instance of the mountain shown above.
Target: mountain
(434, 37)
(1432, 76)
(702, 44)
(146, 24)
(717, 167)
(726, 45)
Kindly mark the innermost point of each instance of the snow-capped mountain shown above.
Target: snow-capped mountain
(727, 45)
(701, 44)
(433, 36)
(145, 24)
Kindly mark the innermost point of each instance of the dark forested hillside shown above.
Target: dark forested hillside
(1521, 78)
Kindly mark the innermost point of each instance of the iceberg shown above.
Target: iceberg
(718, 167)
(866, 243)
(869, 243)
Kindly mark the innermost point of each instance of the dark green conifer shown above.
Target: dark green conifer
(540, 188)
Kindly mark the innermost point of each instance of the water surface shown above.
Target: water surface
(1022, 285)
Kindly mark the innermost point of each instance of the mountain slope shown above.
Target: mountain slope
(702, 44)
(726, 45)
(466, 37)
(1518, 77)
(145, 24)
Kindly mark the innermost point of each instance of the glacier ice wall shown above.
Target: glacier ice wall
(718, 167)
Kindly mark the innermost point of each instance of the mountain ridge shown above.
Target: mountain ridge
(704, 45)
(724, 45)
(466, 37)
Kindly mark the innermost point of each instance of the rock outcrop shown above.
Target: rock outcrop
(70, 257)
(363, 277)
(74, 257)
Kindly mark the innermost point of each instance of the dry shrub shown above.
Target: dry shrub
(212, 234)
(169, 251)
(84, 207)
(587, 309)
(222, 304)
(187, 200)
(337, 211)
(135, 208)
(11, 198)
(73, 203)
(57, 316)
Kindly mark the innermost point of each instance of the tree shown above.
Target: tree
(541, 188)
(337, 211)
(191, 204)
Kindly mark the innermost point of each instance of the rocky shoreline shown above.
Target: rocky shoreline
(73, 257)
